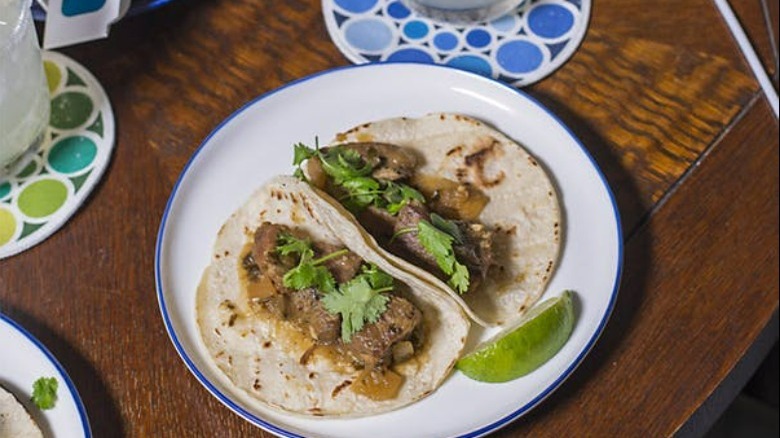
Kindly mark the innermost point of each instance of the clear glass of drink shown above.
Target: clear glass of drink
(463, 11)
(24, 94)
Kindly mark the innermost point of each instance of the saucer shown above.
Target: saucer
(519, 48)
(40, 198)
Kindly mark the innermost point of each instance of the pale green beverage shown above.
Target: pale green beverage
(24, 95)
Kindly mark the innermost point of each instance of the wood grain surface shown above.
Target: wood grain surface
(658, 93)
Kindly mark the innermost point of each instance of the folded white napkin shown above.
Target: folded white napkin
(71, 22)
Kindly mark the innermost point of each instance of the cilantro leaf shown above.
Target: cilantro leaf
(301, 153)
(398, 195)
(307, 275)
(460, 278)
(447, 226)
(358, 302)
(377, 278)
(44, 393)
(361, 192)
(343, 164)
(439, 244)
(287, 244)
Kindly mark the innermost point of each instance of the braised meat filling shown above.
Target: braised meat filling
(389, 337)
(459, 204)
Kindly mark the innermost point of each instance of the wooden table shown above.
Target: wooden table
(659, 94)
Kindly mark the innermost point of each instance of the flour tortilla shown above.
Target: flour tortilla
(261, 356)
(15, 421)
(523, 206)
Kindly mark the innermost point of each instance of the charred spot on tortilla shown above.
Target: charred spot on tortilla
(476, 162)
(308, 207)
(340, 387)
(456, 150)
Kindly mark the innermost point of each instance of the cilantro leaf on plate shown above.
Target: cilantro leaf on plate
(44, 393)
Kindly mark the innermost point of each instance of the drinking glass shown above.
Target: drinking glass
(24, 94)
(463, 11)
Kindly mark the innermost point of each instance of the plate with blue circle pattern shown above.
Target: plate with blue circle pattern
(519, 48)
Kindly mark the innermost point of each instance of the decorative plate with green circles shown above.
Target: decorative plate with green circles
(40, 198)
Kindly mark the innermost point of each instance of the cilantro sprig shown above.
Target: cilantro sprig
(360, 300)
(437, 238)
(339, 163)
(44, 393)
(309, 272)
(351, 172)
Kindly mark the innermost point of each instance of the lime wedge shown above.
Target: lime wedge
(518, 350)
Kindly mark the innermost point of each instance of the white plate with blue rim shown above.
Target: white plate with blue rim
(255, 144)
(25, 360)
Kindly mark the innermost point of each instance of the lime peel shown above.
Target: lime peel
(524, 347)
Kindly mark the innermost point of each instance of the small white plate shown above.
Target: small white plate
(255, 143)
(25, 360)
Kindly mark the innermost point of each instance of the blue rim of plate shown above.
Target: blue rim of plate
(136, 7)
(492, 427)
(64, 375)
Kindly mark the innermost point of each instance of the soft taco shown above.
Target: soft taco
(309, 320)
(450, 199)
